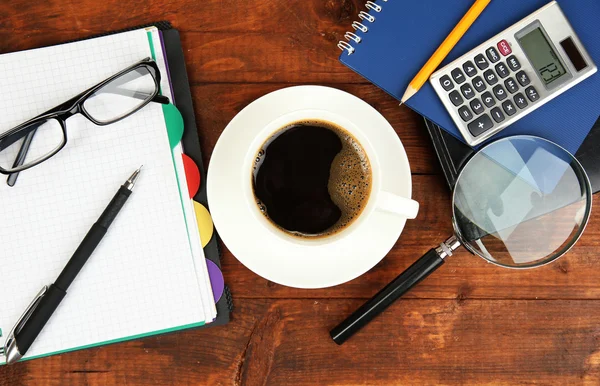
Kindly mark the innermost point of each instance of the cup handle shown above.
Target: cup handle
(389, 202)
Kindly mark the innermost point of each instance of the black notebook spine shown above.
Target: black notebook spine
(360, 26)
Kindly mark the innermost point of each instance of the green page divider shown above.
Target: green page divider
(174, 123)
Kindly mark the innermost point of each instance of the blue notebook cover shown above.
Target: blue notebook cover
(404, 34)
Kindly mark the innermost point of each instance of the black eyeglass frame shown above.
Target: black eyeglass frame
(72, 107)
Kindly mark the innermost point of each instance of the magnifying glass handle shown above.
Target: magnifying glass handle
(420, 269)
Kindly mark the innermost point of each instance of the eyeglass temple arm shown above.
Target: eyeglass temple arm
(11, 180)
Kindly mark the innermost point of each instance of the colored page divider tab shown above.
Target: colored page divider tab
(174, 122)
(205, 224)
(192, 175)
(217, 281)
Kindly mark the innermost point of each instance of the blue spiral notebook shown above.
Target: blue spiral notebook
(403, 34)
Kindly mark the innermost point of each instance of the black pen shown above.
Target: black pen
(45, 303)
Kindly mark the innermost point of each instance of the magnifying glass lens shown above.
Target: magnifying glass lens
(521, 202)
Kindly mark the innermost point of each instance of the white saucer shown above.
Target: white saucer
(297, 265)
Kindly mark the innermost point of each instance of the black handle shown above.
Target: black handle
(38, 318)
(80, 256)
(390, 293)
(113, 208)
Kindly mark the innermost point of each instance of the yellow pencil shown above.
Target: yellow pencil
(444, 49)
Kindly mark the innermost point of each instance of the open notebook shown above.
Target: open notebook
(148, 275)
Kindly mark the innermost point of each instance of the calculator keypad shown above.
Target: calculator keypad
(502, 70)
(501, 80)
(467, 91)
(499, 93)
(511, 85)
(478, 84)
(458, 75)
(513, 63)
(481, 62)
(520, 101)
(456, 99)
(509, 108)
(490, 96)
(497, 114)
(532, 93)
(470, 69)
(492, 54)
(446, 83)
(480, 125)
(465, 113)
(488, 99)
(476, 106)
(522, 78)
(490, 77)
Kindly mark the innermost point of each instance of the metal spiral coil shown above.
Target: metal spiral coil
(365, 17)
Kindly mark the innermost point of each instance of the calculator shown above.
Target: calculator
(512, 74)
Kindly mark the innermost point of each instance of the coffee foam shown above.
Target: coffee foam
(350, 180)
(350, 177)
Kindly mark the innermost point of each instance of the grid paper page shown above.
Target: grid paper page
(210, 310)
(141, 278)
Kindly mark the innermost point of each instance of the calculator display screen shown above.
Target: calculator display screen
(542, 56)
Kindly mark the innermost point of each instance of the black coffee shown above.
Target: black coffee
(312, 178)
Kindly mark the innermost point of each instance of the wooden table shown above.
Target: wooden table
(469, 323)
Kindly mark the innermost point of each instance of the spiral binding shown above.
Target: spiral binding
(365, 17)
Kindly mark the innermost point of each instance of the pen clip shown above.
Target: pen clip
(10, 339)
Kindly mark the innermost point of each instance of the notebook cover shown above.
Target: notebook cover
(191, 144)
(397, 45)
(453, 154)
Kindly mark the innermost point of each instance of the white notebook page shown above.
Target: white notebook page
(141, 278)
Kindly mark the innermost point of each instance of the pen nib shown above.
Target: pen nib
(130, 183)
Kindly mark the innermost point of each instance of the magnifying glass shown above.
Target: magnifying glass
(520, 202)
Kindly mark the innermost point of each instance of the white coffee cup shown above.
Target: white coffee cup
(280, 256)
(379, 199)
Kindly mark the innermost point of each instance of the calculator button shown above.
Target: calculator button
(480, 125)
(465, 113)
(532, 93)
(478, 84)
(497, 114)
(476, 106)
(492, 54)
(470, 69)
(504, 47)
(520, 101)
(458, 75)
(490, 77)
(467, 91)
(513, 63)
(511, 85)
(488, 99)
(446, 83)
(522, 78)
(481, 62)
(499, 92)
(502, 70)
(455, 97)
(509, 108)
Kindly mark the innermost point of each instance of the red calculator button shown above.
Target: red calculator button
(504, 47)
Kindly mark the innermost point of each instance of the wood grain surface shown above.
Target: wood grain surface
(468, 323)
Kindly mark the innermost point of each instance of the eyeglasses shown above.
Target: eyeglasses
(116, 98)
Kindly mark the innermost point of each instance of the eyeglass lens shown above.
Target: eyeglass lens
(45, 136)
(121, 96)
